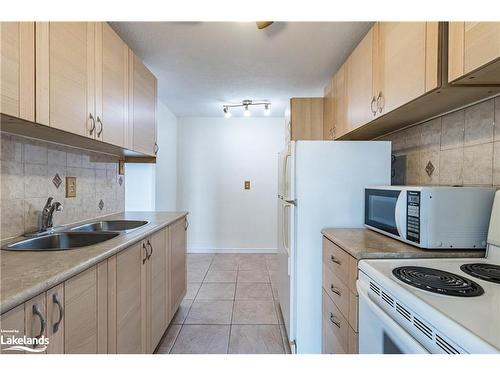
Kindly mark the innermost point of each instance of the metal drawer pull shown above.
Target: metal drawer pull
(99, 132)
(93, 123)
(374, 111)
(156, 148)
(335, 290)
(186, 225)
(146, 250)
(55, 299)
(151, 247)
(36, 311)
(335, 260)
(334, 320)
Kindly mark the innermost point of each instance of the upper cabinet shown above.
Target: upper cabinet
(111, 86)
(306, 119)
(65, 76)
(474, 52)
(17, 75)
(142, 106)
(335, 106)
(360, 97)
(406, 62)
(81, 78)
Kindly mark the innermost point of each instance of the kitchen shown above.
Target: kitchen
(185, 188)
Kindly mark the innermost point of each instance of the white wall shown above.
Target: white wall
(166, 160)
(139, 187)
(151, 187)
(214, 158)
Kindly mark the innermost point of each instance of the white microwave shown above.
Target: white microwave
(431, 217)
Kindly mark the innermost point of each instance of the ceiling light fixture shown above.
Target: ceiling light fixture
(267, 109)
(246, 104)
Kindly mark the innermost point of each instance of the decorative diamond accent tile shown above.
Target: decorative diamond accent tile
(101, 204)
(57, 181)
(120, 180)
(429, 169)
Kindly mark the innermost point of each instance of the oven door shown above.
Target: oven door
(385, 211)
(379, 333)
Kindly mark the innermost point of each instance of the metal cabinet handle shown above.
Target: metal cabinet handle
(156, 148)
(380, 102)
(151, 247)
(146, 256)
(36, 311)
(335, 260)
(335, 290)
(55, 299)
(93, 123)
(374, 101)
(186, 225)
(334, 320)
(99, 132)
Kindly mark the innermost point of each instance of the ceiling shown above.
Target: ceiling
(202, 65)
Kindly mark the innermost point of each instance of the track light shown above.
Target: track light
(246, 104)
(267, 109)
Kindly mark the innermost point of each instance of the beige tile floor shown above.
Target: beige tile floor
(231, 306)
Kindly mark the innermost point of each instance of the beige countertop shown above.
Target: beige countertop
(25, 274)
(366, 244)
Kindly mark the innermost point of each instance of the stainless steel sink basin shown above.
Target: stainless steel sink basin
(110, 225)
(60, 241)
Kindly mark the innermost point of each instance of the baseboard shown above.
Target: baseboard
(231, 250)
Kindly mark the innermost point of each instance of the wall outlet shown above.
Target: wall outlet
(247, 185)
(70, 187)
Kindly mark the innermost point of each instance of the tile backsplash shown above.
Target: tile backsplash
(459, 148)
(28, 177)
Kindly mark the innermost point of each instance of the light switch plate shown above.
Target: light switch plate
(70, 187)
(247, 185)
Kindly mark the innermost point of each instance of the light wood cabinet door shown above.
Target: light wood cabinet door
(360, 96)
(328, 111)
(474, 47)
(35, 317)
(17, 74)
(12, 320)
(340, 126)
(306, 119)
(111, 86)
(130, 310)
(55, 319)
(178, 281)
(157, 289)
(65, 76)
(143, 106)
(80, 322)
(402, 63)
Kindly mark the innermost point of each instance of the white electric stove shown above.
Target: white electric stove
(432, 305)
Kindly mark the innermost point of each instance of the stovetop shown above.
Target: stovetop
(483, 271)
(464, 319)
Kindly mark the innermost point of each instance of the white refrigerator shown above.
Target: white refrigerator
(321, 185)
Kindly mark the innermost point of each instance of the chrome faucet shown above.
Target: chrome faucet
(48, 214)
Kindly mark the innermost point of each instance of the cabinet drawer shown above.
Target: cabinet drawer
(342, 297)
(334, 324)
(340, 263)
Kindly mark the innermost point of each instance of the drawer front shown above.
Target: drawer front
(336, 259)
(337, 290)
(336, 325)
(353, 342)
(353, 311)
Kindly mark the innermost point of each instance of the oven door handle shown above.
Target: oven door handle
(387, 321)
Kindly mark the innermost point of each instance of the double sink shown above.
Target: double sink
(77, 236)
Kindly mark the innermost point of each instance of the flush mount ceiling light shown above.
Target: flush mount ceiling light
(246, 104)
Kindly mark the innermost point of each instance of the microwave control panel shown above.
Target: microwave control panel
(413, 216)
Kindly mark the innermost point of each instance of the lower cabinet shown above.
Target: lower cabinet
(178, 274)
(340, 301)
(122, 305)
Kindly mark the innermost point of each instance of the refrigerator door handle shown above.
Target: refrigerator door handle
(285, 173)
